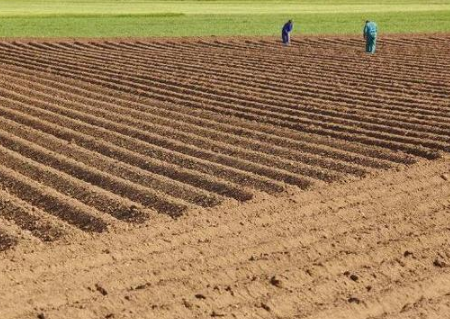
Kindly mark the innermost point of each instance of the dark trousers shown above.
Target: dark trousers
(371, 43)
(285, 37)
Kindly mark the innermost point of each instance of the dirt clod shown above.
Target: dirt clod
(141, 286)
(215, 313)
(101, 289)
(354, 300)
(407, 253)
(187, 304)
(276, 281)
(438, 262)
(265, 306)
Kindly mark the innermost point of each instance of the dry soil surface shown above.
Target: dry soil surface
(375, 248)
(233, 178)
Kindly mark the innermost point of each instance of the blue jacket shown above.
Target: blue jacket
(287, 27)
(370, 29)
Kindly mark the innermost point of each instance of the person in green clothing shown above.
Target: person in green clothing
(370, 35)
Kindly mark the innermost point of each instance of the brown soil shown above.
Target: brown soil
(375, 248)
(256, 152)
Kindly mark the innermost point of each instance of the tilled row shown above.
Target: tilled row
(178, 132)
(145, 59)
(287, 100)
(338, 125)
(334, 96)
(53, 124)
(31, 219)
(145, 52)
(97, 134)
(401, 69)
(6, 241)
(312, 86)
(420, 147)
(291, 142)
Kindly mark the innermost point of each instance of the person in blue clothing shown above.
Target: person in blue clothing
(285, 32)
(370, 35)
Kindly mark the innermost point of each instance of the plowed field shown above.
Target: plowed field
(98, 132)
(114, 136)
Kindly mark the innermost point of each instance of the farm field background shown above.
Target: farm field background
(202, 178)
(26, 18)
(171, 159)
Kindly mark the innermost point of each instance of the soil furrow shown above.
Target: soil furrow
(114, 167)
(311, 59)
(165, 97)
(264, 86)
(51, 201)
(362, 117)
(330, 117)
(111, 166)
(180, 136)
(63, 183)
(312, 82)
(345, 127)
(145, 196)
(31, 219)
(343, 133)
(6, 240)
(148, 138)
(175, 112)
(119, 146)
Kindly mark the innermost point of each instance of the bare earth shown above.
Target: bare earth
(227, 178)
(376, 248)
